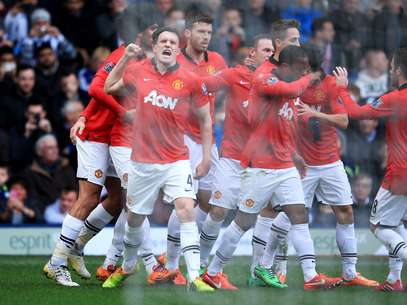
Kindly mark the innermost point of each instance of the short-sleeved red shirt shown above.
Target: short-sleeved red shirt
(322, 97)
(212, 63)
(163, 103)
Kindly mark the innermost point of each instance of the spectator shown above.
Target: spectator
(373, 80)
(323, 216)
(8, 69)
(258, 17)
(68, 91)
(48, 72)
(230, 36)
(304, 13)
(24, 136)
(4, 40)
(86, 74)
(56, 212)
(323, 35)
(362, 186)
(4, 177)
(16, 21)
(216, 11)
(390, 27)
(107, 23)
(43, 32)
(20, 208)
(13, 106)
(352, 32)
(49, 174)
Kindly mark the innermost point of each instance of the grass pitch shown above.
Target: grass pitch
(22, 282)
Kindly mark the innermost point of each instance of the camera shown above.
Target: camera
(37, 119)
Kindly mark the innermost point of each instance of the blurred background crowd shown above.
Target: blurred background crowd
(50, 50)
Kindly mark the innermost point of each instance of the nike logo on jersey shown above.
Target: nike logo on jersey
(245, 104)
(242, 82)
(161, 101)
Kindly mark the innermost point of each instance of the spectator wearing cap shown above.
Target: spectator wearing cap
(42, 32)
(49, 173)
(56, 212)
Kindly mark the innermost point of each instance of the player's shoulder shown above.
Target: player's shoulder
(215, 58)
(187, 76)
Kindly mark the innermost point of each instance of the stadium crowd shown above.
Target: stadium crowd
(50, 50)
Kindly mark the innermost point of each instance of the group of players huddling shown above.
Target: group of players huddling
(147, 135)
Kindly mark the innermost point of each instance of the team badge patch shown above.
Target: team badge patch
(249, 203)
(319, 95)
(125, 177)
(98, 173)
(376, 103)
(108, 67)
(177, 84)
(272, 80)
(217, 195)
(211, 69)
(204, 89)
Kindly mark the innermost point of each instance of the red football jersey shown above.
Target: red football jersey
(236, 129)
(103, 109)
(163, 103)
(323, 98)
(212, 63)
(272, 117)
(392, 106)
(121, 131)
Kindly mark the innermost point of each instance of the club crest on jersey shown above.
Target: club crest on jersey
(211, 69)
(177, 84)
(98, 173)
(204, 89)
(217, 195)
(376, 103)
(319, 95)
(125, 177)
(272, 80)
(108, 67)
(161, 101)
(249, 203)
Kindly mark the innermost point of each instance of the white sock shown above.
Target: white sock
(133, 237)
(304, 246)
(347, 244)
(94, 223)
(71, 227)
(115, 251)
(279, 230)
(393, 242)
(146, 249)
(209, 235)
(173, 242)
(190, 248)
(280, 260)
(261, 234)
(200, 217)
(395, 263)
(229, 241)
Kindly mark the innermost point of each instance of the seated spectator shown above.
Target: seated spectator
(69, 91)
(230, 36)
(323, 37)
(49, 173)
(304, 13)
(20, 209)
(56, 212)
(13, 105)
(323, 216)
(86, 74)
(8, 68)
(23, 136)
(373, 80)
(362, 186)
(43, 32)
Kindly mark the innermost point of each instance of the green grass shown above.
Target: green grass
(22, 282)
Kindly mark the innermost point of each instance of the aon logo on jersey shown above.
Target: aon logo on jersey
(286, 112)
(161, 101)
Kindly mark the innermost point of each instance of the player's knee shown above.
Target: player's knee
(344, 214)
(218, 213)
(297, 213)
(185, 209)
(244, 220)
(269, 212)
(373, 228)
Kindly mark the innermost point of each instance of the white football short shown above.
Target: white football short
(195, 155)
(259, 186)
(226, 184)
(94, 162)
(120, 156)
(329, 183)
(147, 179)
(388, 209)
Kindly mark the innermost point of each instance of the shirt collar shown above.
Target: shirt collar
(403, 86)
(206, 56)
(273, 60)
(169, 69)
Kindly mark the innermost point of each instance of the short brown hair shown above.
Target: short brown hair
(160, 30)
(195, 17)
(280, 27)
